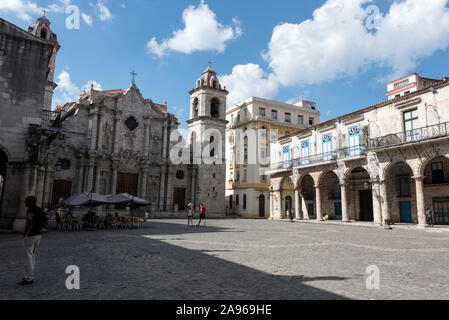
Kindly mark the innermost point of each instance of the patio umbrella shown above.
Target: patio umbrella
(125, 198)
(86, 199)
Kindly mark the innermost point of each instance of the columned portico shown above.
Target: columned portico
(419, 181)
(344, 202)
(319, 213)
(298, 203)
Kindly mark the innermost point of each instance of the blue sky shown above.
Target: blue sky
(338, 53)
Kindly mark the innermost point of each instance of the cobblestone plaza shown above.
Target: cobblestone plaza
(233, 259)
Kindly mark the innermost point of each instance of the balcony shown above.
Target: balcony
(418, 135)
(315, 159)
(48, 117)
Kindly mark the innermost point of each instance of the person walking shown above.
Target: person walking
(36, 219)
(203, 211)
(429, 217)
(190, 215)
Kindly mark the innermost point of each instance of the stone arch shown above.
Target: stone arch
(423, 164)
(308, 196)
(360, 194)
(215, 108)
(287, 195)
(400, 192)
(331, 195)
(323, 175)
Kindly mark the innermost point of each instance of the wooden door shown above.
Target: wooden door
(61, 189)
(179, 197)
(262, 206)
(366, 206)
(127, 183)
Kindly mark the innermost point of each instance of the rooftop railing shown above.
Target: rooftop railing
(416, 135)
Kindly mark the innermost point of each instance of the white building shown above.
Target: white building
(385, 162)
(251, 124)
(406, 85)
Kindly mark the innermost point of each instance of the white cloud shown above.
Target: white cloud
(67, 91)
(249, 80)
(23, 9)
(87, 19)
(337, 43)
(202, 32)
(103, 12)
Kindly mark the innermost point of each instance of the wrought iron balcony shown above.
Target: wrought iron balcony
(315, 159)
(417, 135)
(49, 116)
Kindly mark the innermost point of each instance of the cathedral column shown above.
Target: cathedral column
(98, 178)
(169, 196)
(114, 177)
(164, 142)
(100, 131)
(193, 189)
(162, 189)
(319, 214)
(144, 181)
(117, 119)
(93, 128)
(146, 151)
(80, 177)
(90, 176)
(48, 175)
(420, 200)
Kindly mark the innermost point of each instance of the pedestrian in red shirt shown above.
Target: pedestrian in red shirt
(203, 211)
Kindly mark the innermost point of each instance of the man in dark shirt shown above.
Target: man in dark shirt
(36, 221)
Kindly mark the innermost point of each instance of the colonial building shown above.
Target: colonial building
(251, 124)
(27, 61)
(385, 162)
(406, 85)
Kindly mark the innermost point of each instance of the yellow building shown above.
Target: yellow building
(253, 123)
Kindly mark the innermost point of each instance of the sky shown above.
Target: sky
(337, 53)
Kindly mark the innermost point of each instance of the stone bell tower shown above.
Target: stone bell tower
(41, 29)
(207, 132)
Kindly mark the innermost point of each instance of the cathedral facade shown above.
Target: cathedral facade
(117, 141)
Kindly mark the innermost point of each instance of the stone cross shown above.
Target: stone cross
(44, 11)
(134, 74)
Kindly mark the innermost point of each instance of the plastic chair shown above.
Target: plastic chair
(78, 225)
(136, 222)
(99, 224)
(115, 224)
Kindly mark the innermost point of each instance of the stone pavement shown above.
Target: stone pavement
(233, 259)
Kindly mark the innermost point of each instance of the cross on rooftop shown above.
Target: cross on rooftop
(44, 11)
(134, 74)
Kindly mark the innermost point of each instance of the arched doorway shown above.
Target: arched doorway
(261, 206)
(436, 189)
(362, 194)
(288, 192)
(307, 189)
(3, 171)
(288, 205)
(401, 193)
(331, 196)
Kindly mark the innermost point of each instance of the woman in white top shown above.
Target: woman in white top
(190, 215)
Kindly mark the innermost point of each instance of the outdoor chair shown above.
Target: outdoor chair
(78, 225)
(115, 224)
(99, 223)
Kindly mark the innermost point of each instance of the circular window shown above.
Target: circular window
(180, 175)
(131, 123)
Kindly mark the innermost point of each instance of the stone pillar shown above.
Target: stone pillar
(81, 177)
(162, 189)
(421, 206)
(164, 141)
(144, 181)
(146, 150)
(93, 135)
(319, 214)
(90, 176)
(48, 177)
(377, 208)
(278, 210)
(21, 214)
(100, 132)
(114, 178)
(384, 201)
(298, 208)
(117, 119)
(169, 196)
(98, 179)
(346, 217)
(192, 190)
